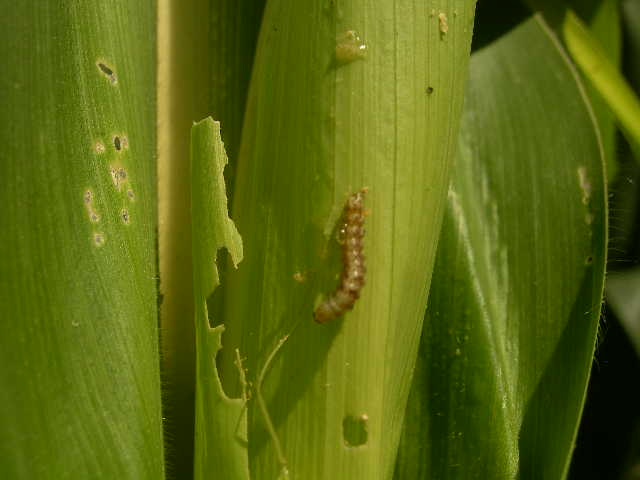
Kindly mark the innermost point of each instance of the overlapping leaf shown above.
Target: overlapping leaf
(514, 306)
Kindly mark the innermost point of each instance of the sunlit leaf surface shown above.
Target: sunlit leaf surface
(514, 305)
(344, 95)
(79, 364)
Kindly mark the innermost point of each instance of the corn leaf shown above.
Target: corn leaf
(205, 53)
(79, 382)
(604, 76)
(344, 95)
(220, 423)
(600, 21)
(622, 295)
(509, 333)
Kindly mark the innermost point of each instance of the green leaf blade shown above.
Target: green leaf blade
(622, 296)
(205, 52)
(80, 384)
(605, 77)
(324, 120)
(220, 423)
(514, 308)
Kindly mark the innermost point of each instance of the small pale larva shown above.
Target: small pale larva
(351, 234)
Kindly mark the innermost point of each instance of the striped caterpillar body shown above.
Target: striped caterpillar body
(351, 234)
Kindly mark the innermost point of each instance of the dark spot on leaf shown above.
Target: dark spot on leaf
(106, 70)
(98, 239)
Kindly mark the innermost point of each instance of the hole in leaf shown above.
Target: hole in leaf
(354, 430)
(215, 310)
(215, 302)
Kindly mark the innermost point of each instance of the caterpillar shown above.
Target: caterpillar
(350, 236)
